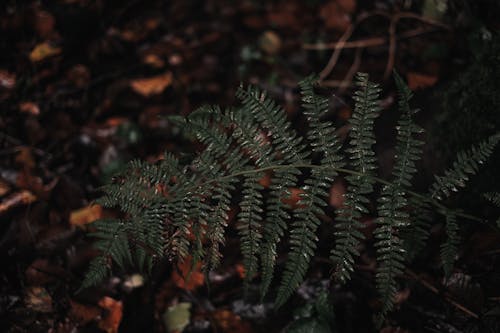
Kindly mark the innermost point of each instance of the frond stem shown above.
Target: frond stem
(441, 208)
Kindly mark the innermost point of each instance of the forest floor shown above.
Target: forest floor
(85, 86)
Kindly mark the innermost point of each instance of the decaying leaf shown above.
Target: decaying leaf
(38, 299)
(229, 322)
(16, 199)
(187, 277)
(44, 50)
(112, 319)
(30, 108)
(177, 317)
(82, 313)
(7, 79)
(152, 85)
(85, 215)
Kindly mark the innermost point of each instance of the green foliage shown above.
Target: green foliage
(178, 210)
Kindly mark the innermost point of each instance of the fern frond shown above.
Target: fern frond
(363, 161)
(466, 164)
(494, 198)
(322, 138)
(250, 224)
(416, 234)
(112, 242)
(392, 204)
(449, 248)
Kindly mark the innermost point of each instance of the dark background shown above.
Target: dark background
(85, 87)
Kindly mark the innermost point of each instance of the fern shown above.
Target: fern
(176, 210)
(361, 184)
(393, 217)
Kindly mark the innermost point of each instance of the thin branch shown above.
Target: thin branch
(447, 297)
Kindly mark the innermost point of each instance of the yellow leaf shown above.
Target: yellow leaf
(44, 50)
(85, 215)
(152, 85)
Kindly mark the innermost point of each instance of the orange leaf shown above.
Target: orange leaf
(16, 199)
(29, 107)
(153, 85)
(294, 198)
(186, 277)
(85, 215)
(240, 270)
(82, 313)
(44, 50)
(112, 319)
(419, 81)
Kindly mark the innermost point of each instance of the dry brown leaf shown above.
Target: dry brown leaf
(229, 322)
(7, 79)
(186, 277)
(419, 80)
(337, 192)
(44, 23)
(38, 299)
(294, 198)
(112, 319)
(335, 16)
(152, 85)
(4, 188)
(85, 215)
(153, 60)
(44, 50)
(29, 107)
(15, 200)
(82, 313)
(348, 6)
(270, 42)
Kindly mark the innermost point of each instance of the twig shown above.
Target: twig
(346, 82)
(394, 20)
(446, 296)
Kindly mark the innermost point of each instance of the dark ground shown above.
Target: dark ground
(83, 88)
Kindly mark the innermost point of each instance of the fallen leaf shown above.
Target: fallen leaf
(177, 317)
(4, 188)
(44, 23)
(153, 85)
(240, 270)
(38, 299)
(112, 319)
(348, 6)
(270, 42)
(229, 322)
(335, 16)
(419, 81)
(16, 199)
(85, 215)
(265, 181)
(134, 281)
(82, 313)
(153, 60)
(44, 50)
(7, 79)
(41, 272)
(30, 108)
(337, 192)
(79, 75)
(25, 158)
(186, 277)
(294, 198)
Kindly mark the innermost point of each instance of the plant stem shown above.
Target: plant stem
(440, 207)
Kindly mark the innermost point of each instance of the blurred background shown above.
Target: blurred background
(86, 85)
